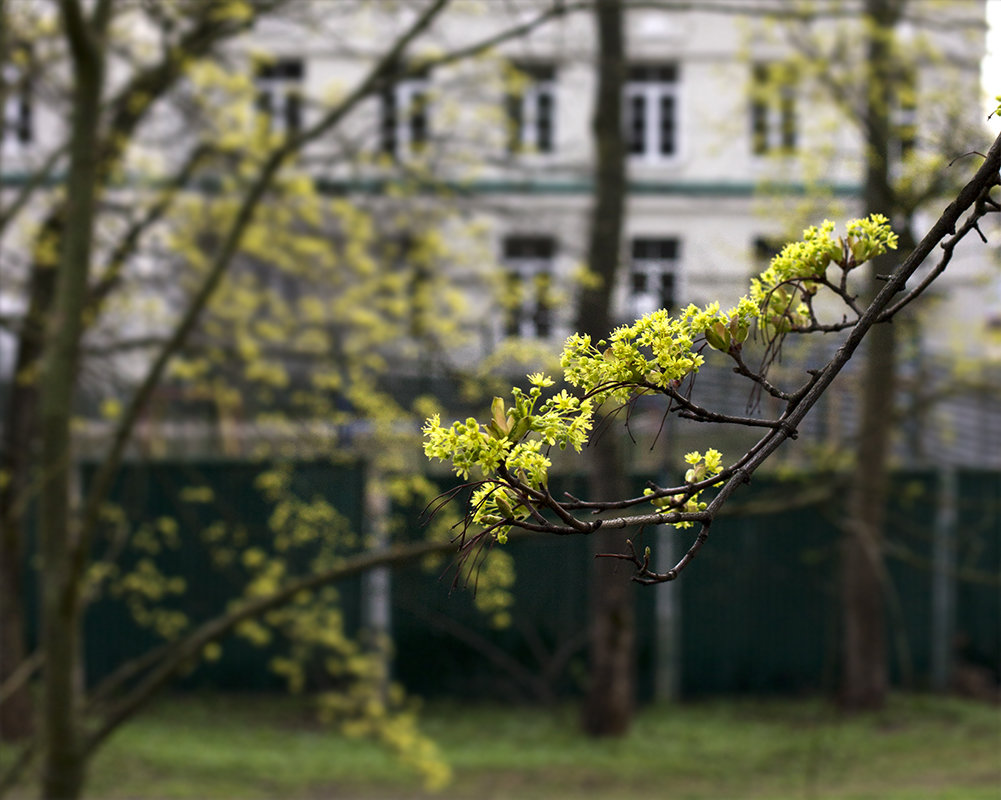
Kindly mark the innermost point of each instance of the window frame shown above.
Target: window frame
(529, 259)
(279, 84)
(404, 118)
(775, 128)
(525, 109)
(653, 267)
(658, 85)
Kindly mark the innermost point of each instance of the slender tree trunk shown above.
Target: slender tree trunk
(864, 662)
(16, 710)
(63, 757)
(864, 672)
(608, 707)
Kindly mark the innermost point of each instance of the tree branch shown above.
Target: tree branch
(975, 195)
(104, 476)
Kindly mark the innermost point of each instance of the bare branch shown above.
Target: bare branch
(39, 178)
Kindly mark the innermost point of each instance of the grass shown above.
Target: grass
(919, 748)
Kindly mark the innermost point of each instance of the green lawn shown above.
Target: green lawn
(271, 747)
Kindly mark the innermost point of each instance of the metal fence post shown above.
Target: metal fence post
(667, 613)
(376, 609)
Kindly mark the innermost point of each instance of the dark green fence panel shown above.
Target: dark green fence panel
(758, 607)
(978, 556)
(445, 646)
(910, 534)
(756, 604)
(150, 491)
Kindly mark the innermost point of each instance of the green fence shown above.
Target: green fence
(153, 491)
(757, 611)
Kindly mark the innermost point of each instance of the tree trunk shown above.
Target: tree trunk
(608, 707)
(16, 711)
(63, 758)
(864, 676)
(16, 716)
(864, 670)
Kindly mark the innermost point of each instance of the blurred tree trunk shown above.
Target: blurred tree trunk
(16, 715)
(62, 752)
(608, 706)
(19, 439)
(864, 669)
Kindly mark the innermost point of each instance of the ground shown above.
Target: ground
(215, 747)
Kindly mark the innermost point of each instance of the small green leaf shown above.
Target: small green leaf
(500, 417)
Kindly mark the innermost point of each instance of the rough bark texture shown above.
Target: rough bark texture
(608, 706)
(864, 670)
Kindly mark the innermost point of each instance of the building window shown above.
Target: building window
(653, 276)
(279, 94)
(528, 264)
(773, 109)
(404, 116)
(651, 112)
(18, 128)
(532, 109)
(904, 115)
(763, 250)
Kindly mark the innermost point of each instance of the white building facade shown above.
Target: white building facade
(732, 148)
(740, 123)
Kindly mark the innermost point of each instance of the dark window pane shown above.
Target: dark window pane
(788, 121)
(637, 124)
(667, 298)
(514, 113)
(666, 125)
(545, 122)
(759, 128)
(284, 69)
(638, 282)
(513, 309)
(637, 74)
(655, 249)
(24, 126)
(388, 122)
(765, 248)
(418, 120)
(647, 73)
(542, 247)
(293, 112)
(667, 73)
(543, 321)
